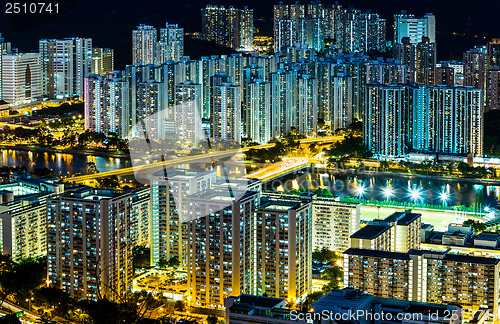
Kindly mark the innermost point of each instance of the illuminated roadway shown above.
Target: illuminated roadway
(87, 179)
(16, 126)
(278, 169)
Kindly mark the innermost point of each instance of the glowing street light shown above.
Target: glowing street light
(415, 194)
(360, 190)
(388, 192)
(444, 197)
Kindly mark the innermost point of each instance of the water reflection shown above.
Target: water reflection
(417, 189)
(62, 164)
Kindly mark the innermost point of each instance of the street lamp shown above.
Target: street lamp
(388, 192)
(360, 190)
(29, 300)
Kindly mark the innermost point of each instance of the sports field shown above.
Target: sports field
(439, 219)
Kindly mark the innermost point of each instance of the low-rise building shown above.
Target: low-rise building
(425, 276)
(398, 232)
(247, 309)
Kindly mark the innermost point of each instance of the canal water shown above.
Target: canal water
(394, 187)
(381, 187)
(60, 163)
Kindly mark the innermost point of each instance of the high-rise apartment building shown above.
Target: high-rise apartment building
(5, 48)
(283, 102)
(359, 32)
(445, 76)
(221, 242)
(341, 115)
(151, 111)
(230, 26)
(107, 104)
(458, 73)
(21, 78)
(386, 72)
(494, 52)
(64, 65)
(407, 25)
(225, 114)
(144, 40)
(89, 243)
(427, 119)
(406, 53)
(384, 120)
(260, 111)
(425, 62)
(476, 66)
(170, 212)
(144, 44)
(188, 112)
(23, 217)
(140, 217)
(283, 255)
(307, 106)
(333, 223)
(103, 60)
(493, 88)
(301, 24)
(171, 44)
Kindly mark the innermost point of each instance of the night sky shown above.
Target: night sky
(110, 22)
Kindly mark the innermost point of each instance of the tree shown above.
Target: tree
(476, 226)
(173, 262)
(92, 168)
(10, 319)
(179, 306)
(384, 165)
(313, 148)
(324, 192)
(141, 256)
(349, 146)
(334, 274)
(162, 263)
(43, 172)
(109, 182)
(212, 319)
(52, 297)
(310, 299)
(325, 256)
(21, 279)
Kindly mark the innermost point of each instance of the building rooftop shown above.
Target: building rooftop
(403, 218)
(346, 298)
(453, 257)
(370, 231)
(488, 236)
(427, 309)
(276, 205)
(428, 254)
(222, 195)
(377, 253)
(259, 301)
(89, 193)
(180, 173)
(427, 226)
(405, 306)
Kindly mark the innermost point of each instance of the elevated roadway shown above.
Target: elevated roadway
(212, 156)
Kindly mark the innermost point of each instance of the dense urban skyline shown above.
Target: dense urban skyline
(84, 20)
(237, 163)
